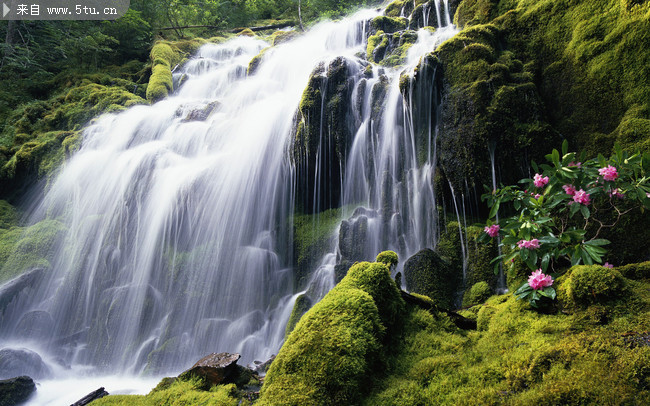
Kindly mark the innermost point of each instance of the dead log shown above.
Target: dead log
(234, 30)
(99, 393)
(460, 321)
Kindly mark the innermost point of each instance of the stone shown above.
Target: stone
(94, 395)
(202, 114)
(426, 273)
(17, 390)
(22, 361)
(214, 369)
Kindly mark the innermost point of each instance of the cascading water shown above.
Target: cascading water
(178, 213)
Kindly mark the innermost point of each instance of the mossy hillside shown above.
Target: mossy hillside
(519, 356)
(40, 135)
(179, 393)
(23, 248)
(591, 69)
(490, 101)
(333, 352)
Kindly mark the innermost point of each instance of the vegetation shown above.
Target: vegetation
(179, 393)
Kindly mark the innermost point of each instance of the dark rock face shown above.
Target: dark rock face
(22, 362)
(428, 274)
(15, 391)
(324, 134)
(216, 369)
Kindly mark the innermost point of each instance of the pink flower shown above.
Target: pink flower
(608, 173)
(581, 197)
(492, 230)
(616, 193)
(537, 196)
(569, 189)
(531, 245)
(608, 265)
(537, 280)
(647, 195)
(577, 164)
(540, 181)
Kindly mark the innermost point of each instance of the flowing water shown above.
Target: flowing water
(179, 241)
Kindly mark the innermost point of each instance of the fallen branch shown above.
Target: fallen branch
(99, 393)
(234, 30)
(461, 322)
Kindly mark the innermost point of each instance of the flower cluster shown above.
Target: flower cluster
(581, 197)
(537, 280)
(492, 230)
(609, 173)
(540, 181)
(531, 245)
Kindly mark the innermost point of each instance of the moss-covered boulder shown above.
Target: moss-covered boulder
(330, 356)
(477, 294)
(479, 254)
(428, 274)
(165, 56)
(388, 24)
(16, 391)
(635, 271)
(584, 285)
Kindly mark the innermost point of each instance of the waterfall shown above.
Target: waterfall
(178, 214)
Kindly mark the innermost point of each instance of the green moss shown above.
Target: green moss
(583, 285)
(254, 64)
(247, 32)
(177, 394)
(394, 9)
(165, 55)
(23, 248)
(376, 46)
(389, 24)
(8, 215)
(428, 274)
(303, 303)
(477, 294)
(519, 356)
(388, 258)
(313, 237)
(635, 271)
(160, 83)
(331, 354)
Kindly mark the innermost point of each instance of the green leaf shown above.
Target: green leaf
(546, 258)
(495, 208)
(565, 147)
(555, 157)
(517, 205)
(585, 211)
(525, 288)
(534, 165)
(574, 208)
(597, 242)
(602, 161)
(523, 253)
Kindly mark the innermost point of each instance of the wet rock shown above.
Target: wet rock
(11, 289)
(37, 323)
(215, 369)
(428, 274)
(202, 114)
(22, 361)
(353, 236)
(17, 390)
(262, 367)
(94, 395)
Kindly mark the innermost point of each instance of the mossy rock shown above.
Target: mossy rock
(254, 64)
(8, 215)
(635, 271)
(336, 345)
(388, 258)
(330, 353)
(584, 285)
(428, 274)
(477, 294)
(388, 25)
